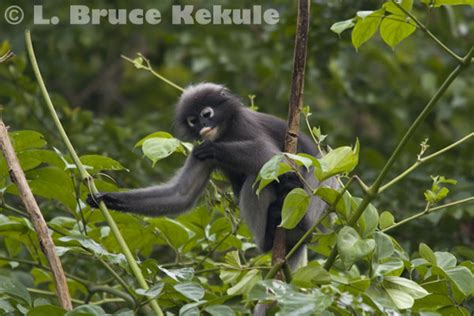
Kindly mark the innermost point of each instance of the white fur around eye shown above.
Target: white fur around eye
(207, 112)
(191, 121)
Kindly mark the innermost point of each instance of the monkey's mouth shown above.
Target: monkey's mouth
(209, 133)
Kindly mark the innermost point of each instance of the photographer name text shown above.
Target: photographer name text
(180, 15)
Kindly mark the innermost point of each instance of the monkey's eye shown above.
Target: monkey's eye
(192, 120)
(207, 112)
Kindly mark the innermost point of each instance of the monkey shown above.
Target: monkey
(237, 141)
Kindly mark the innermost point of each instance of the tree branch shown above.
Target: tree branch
(373, 190)
(295, 104)
(422, 160)
(46, 242)
(428, 211)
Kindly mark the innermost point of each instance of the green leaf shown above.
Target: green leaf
(246, 283)
(368, 222)
(154, 135)
(438, 3)
(53, 183)
(394, 9)
(271, 170)
(46, 310)
(219, 310)
(405, 285)
(407, 4)
(32, 158)
(232, 258)
(366, 26)
(401, 299)
(22, 140)
(87, 310)
(340, 160)
(384, 244)
(97, 163)
(390, 267)
(297, 303)
(14, 288)
(394, 29)
(190, 309)
(96, 248)
(386, 219)
(159, 148)
(437, 192)
(191, 290)
(445, 260)
(330, 195)
(294, 208)
(175, 232)
(152, 292)
(183, 274)
(351, 247)
(311, 275)
(427, 253)
(341, 26)
(462, 278)
(301, 159)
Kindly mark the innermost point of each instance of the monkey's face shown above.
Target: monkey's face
(204, 111)
(206, 124)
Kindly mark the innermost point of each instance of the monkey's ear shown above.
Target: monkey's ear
(225, 92)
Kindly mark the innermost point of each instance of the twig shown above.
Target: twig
(46, 242)
(428, 32)
(422, 160)
(373, 190)
(428, 211)
(110, 290)
(87, 178)
(40, 266)
(48, 293)
(149, 68)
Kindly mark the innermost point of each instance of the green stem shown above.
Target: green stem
(149, 68)
(428, 211)
(115, 275)
(428, 32)
(47, 293)
(40, 266)
(420, 161)
(85, 175)
(76, 301)
(274, 270)
(115, 292)
(373, 190)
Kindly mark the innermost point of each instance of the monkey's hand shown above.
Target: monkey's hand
(94, 200)
(205, 150)
(287, 182)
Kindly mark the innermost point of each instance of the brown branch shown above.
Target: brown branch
(295, 105)
(46, 243)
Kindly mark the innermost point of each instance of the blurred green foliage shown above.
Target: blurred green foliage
(372, 94)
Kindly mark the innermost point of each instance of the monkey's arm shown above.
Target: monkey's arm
(245, 156)
(176, 196)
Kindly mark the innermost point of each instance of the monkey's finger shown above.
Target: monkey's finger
(94, 200)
